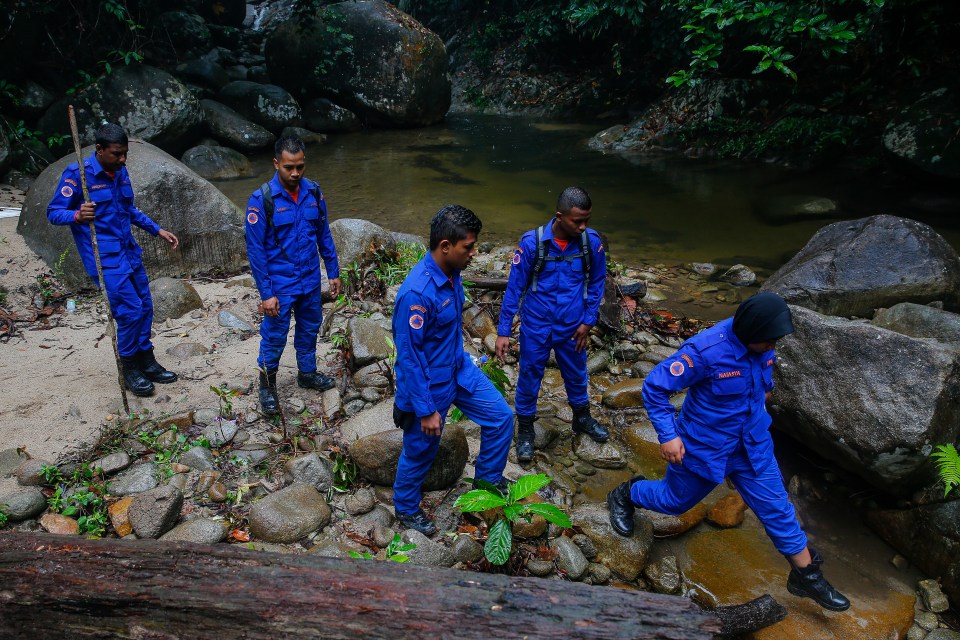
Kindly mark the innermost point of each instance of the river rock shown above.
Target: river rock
(928, 535)
(204, 72)
(309, 469)
(933, 597)
(536, 527)
(23, 504)
(187, 33)
(848, 269)
(59, 524)
(369, 341)
(377, 455)
(664, 575)
(10, 459)
(230, 320)
(111, 464)
(35, 99)
(626, 557)
(793, 208)
(268, 105)
(374, 420)
(137, 479)
(466, 549)
(739, 275)
(667, 526)
(173, 298)
(155, 512)
(363, 524)
(254, 452)
(232, 129)
(395, 75)
(477, 321)
(217, 163)
(186, 350)
(728, 511)
(920, 321)
(569, 557)
(119, 516)
(624, 394)
(209, 226)
(359, 241)
(360, 502)
(921, 135)
(30, 472)
(880, 423)
(199, 458)
(323, 115)
(603, 455)
(200, 531)
(149, 103)
(220, 432)
(372, 375)
(427, 552)
(289, 514)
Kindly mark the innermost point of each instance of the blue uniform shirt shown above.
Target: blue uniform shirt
(284, 260)
(558, 303)
(115, 212)
(725, 405)
(427, 321)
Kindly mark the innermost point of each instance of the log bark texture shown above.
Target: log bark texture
(69, 587)
(740, 619)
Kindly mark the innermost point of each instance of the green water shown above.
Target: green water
(510, 170)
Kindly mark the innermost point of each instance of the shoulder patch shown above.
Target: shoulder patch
(770, 362)
(253, 209)
(416, 307)
(66, 191)
(70, 181)
(687, 359)
(416, 321)
(252, 218)
(676, 368)
(516, 256)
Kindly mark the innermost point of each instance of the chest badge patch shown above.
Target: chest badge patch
(416, 321)
(66, 191)
(676, 368)
(252, 218)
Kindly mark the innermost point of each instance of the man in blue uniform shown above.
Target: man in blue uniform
(124, 277)
(558, 275)
(433, 371)
(723, 431)
(286, 225)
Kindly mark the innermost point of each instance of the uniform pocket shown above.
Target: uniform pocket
(100, 195)
(126, 192)
(729, 383)
(283, 218)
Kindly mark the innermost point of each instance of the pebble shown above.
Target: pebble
(59, 524)
(933, 597)
(231, 321)
(540, 568)
(217, 492)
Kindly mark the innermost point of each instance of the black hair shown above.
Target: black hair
(762, 317)
(574, 198)
(109, 134)
(291, 144)
(454, 223)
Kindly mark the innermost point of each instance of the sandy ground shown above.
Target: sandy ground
(58, 378)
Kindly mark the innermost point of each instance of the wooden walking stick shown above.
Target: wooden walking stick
(111, 325)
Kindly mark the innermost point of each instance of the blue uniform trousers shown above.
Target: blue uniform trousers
(486, 407)
(763, 491)
(534, 352)
(308, 310)
(132, 308)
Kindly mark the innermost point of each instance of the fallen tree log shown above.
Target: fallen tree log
(740, 619)
(68, 587)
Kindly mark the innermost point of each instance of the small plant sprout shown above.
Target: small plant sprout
(948, 466)
(393, 552)
(500, 537)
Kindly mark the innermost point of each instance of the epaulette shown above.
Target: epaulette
(421, 281)
(707, 340)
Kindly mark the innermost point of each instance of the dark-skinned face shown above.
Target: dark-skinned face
(290, 169)
(112, 157)
(568, 226)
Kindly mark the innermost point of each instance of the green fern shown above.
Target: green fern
(948, 465)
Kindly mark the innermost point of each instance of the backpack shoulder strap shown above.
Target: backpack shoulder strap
(266, 193)
(585, 259)
(541, 257)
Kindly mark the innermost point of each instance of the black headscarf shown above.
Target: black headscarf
(762, 317)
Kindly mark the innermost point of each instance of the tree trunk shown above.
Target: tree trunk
(62, 587)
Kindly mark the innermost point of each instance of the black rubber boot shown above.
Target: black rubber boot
(268, 393)
(419, 521)
(809, 582)
(152, 369)
(583, 422)
(133, 377)
(315, 380)
(621, 508)
(525, 437)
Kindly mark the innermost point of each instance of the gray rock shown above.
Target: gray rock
(705, 269)
(201, 531)
(254, 453)
(793, 208)
(372, 375)
(137, 479)
(943, 634)
(323, 115)
(10, 459)
(308, 137)
(920, 321)
(369, 342)
(916, 633)
(354, 407)
(623, 394)
(289, 514)
(933, 597)
(359, 240)
(927, 620)
(626, 557)
(232, 129)
(597, 362)
(219, 432)
(268, 105)
(586, 546)
(365, 523)
(427, 552)
(569, 557)
(187, 32)
(309, 469)
(199, 458)
(540, 568)
(186, 350)
(204, 72)
(156, 511)
(113, 463)
(603, 455)
(377, 455)
(478, 322)
(375, 420)
(664, 575)
(382, 536)
(208, 224)
(23, 504)
(918, 137)
(229, 320)
(847, 268)
(173, 298)
(205, 417)
(466, 549)
(879, 423)
(217, 163)
(360, 502)
(739, 275)
(331, 402)
(370, 394)
(29, 472)
(397, 75)
(599, 573)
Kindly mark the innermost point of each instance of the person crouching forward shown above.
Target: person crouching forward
(723, 431)
(433, 370)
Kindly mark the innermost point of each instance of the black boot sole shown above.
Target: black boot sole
(141, 393)
(803, 594)
(161, 379)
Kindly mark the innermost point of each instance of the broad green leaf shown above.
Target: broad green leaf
(513, 511)
(527, 485)
(551, 513)
(488, 486)
(499, 543)
(479, 500)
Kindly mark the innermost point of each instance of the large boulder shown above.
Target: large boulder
(852, 268)
(217, 163)
(359, 241)
(920, 321)
(377, 456)
(923, 136)
(872, 400)
(173, 298)
(393, 72)
(148, 103)
(268, 105)
(626, 557)
(231, 128)
(209, 226)
(187, 33)
(322, 115)
(289, 514)
(369, 341)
